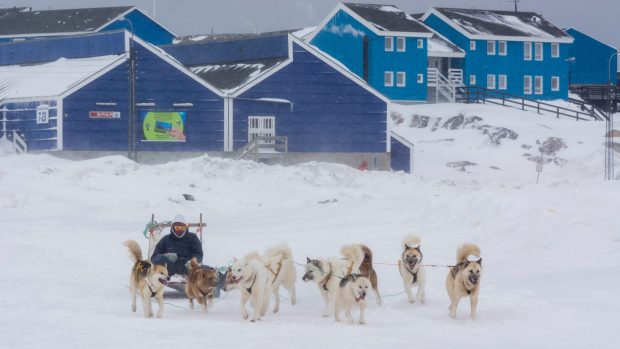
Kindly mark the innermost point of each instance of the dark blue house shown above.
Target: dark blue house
(73, 94)
(277, 85)
(519, 53)
(24, 23)
(591, 60)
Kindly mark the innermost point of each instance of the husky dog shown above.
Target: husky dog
(201, 285)
(327, 274)
(279, 262)
(410, 269)
(464, 279)
(353, 291)
(252, 278)
(147, 279)
(360, 252)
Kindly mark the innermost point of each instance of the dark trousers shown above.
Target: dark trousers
(177, 267)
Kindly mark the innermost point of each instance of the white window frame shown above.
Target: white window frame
(499, 48)
(401, 40)
(527, 51)
(502, 82)
(420, 43)
(472, 80)
(420, 78)
(555, 83)
(43, 114)
(537, 90)
(493, 78)
(527, 84)
(491, 44)
(261, 126)
(539, 51)
(389, 44)
(388, 82)
(555, 50)
(401, 79)
(472, 45)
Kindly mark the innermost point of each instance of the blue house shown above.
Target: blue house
(278, 85)
(518, 53)
(23, 23)
(71, 94)
(381, 44)
(590, 60)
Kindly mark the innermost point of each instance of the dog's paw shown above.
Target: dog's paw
(275, 310)
(325, 315)
(133, 308)
(362, 322)
(245, 316)
(452, 315)
(411, 300)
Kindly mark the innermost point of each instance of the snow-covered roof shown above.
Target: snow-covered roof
(387, 18)
(20, 22)
(204, 38)
(486, 24)
(49, 79)
(439, 46)
(229, 76)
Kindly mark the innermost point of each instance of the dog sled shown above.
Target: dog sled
(155, 231)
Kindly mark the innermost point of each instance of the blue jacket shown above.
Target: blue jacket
(186, 248)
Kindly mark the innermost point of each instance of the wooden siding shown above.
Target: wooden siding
(22, 117)
(144, 27)
(591, 65)
(513, 65)
(342, 38)
(400, 156)
(330, 113)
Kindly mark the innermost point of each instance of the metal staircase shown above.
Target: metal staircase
(446, 88)
(263, 147)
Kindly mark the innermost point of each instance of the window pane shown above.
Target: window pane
(389, 44)
(388, 78)
(527, 51)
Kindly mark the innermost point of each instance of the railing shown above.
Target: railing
(19, 145)
(432, 76)
(482, 95)
(456, 76)
(598, 113)
(262, 145)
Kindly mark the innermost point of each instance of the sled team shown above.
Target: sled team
(343, 282)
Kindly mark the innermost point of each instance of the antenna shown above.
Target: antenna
(516, 2)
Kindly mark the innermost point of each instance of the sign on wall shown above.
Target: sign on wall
(163, 126)
(105, 114)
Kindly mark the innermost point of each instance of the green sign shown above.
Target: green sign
(163, 126)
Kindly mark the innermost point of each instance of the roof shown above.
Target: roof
(387, 18)
(205, 38)
(58, 21)
(51, 78)
(229, 76)
(482, 24)
(439, 46)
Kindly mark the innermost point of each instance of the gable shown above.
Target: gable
(143, 26)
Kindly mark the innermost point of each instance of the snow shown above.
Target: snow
(275, 100)
(303, 33)
(529, 28)
(389, 8)
(438, 44)
(49, 79)
(551, 250)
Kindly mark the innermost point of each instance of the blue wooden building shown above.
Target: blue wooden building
(519, 53)
(590, 60)
(381, 44)
(72, 94)
(24, 23)
(277, 85)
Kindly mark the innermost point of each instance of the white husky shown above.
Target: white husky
(279, 263)
(252, 278)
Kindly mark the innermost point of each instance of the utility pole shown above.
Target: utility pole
(609, 128)
(515, 2)
(131, 118)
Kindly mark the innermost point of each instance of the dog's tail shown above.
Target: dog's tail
(466, 250)
(193, 264)
(252, 255)
(134, 250)
(280, 250)
(355, 255)
(411, 241)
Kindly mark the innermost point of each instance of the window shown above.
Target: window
(472, 80)
(388, 79)
(555, 83)
(538, 85)
(420, 43)
(389, 44)
(491, 48)
(400, 44)
(472, 46)
(43, 114)
(555, 50)
(420, 78)
(491, 82)
(503, 48)
(538, 51)
(401, 79)
(261, 126)
(527, 51)
(502, 82)
(527, 85)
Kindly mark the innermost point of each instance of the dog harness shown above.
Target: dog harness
(153, 293)
(249, 289)
(327, 280)
(415, 275)
(455, 270)
(275, 275)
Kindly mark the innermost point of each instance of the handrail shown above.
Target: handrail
(277, 143)
(596, 112)
(19, 145)
(488, 96)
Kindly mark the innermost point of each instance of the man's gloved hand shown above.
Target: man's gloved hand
(172, 257)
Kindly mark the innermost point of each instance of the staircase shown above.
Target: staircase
(446, 88)
(19, 145)
(263, 147)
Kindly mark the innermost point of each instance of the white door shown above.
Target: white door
(261, 126)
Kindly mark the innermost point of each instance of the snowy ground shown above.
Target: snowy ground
(551, 250)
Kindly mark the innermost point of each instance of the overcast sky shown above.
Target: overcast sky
(599, 18)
